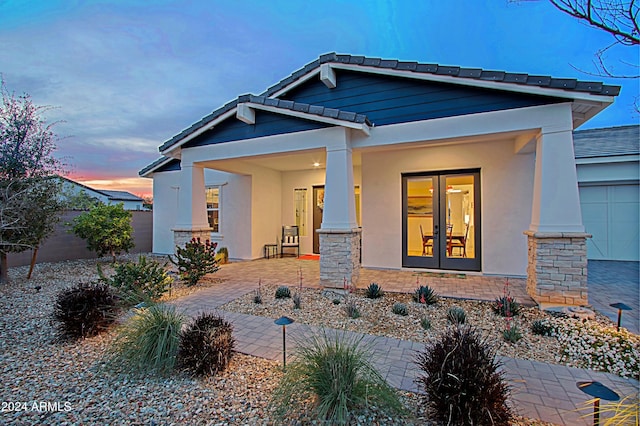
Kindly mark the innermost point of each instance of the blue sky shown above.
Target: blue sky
(127, 75)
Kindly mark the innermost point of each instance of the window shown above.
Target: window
(300, 204)
(213, 207)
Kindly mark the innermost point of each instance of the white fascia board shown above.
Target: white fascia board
(198, 132)
(306, 116)
(545, 118)
(296, 83)
(486, 84)
(609, 159)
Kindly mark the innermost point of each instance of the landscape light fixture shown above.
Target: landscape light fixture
(620, 307)
(284, 322)
(598, 391)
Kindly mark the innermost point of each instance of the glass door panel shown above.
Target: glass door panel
(420, 228)
(441, 217)
(460, 216)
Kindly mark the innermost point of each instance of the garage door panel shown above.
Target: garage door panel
(594, 213)
(624, 194)
(611, 214)
(591, 194)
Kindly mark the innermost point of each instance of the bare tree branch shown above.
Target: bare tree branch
(617, 17)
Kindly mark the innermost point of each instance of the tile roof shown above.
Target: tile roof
(621, 140)
(567, 84)
(153, 165)
(570, 84)
(306, 108)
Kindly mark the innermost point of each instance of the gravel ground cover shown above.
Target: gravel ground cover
(377, 317)
(45, 382)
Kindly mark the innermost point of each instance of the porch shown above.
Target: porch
(286, 271)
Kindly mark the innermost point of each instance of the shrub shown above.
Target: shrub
(374, 291)
(335, 372)
(336, 301)
(206, 345)
(283, 292)
(512, 334)
(195, 260)
(351, 309)
(107, 229)
(541, 328)
(506, 306)
(456, 315)
(85, 310)
(425, 294)
(425, 323)
(149, 341)
(461, 379)
(400, 309)
(297, 301)
(145, 281)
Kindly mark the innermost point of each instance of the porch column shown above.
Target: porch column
(557, 268)
(339, 233)
(192, 209)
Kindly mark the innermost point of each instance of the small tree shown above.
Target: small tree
(29, 189)
(107, 229)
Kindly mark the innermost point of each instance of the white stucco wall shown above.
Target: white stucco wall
(235, 220)
(305, 179)
(165, 210)
(266, 209)
(506, 196)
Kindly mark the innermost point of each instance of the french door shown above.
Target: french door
(441, 220)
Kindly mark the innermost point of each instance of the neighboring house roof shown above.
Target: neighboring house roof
(545, 85)
(120, 195)
(111, 195)
(606, 142)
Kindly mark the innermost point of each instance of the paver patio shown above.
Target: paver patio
(539, 390)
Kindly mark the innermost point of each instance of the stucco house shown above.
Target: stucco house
(389, 164)
(108, 197)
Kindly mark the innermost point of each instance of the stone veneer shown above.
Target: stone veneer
(557, 270)
(339, 257)
(183, 236)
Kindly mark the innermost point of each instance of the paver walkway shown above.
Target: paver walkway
(542, 391)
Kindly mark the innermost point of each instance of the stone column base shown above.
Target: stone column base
(339, 257)
(183, 236)
(557, 269)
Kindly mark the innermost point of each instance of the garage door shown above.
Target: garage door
(610, 214)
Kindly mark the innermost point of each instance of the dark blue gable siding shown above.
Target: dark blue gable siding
(267, 124)
(383, 99)
(171, 166)
(389, 100)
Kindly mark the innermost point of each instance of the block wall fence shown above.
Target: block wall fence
(63, 245)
